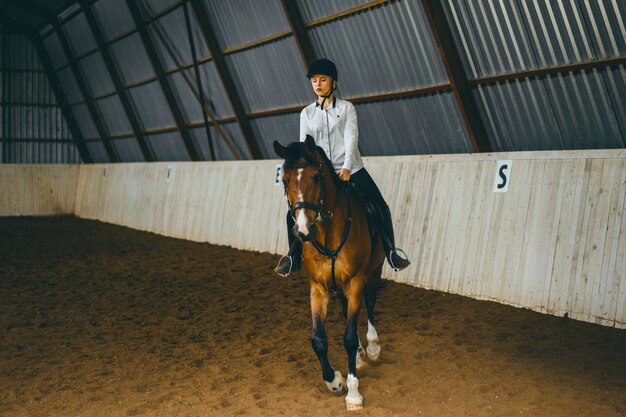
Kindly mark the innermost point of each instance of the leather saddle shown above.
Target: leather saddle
(375, 218)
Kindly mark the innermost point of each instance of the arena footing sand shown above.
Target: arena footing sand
(101, 320)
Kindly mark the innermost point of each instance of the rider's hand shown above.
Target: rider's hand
(344, 174)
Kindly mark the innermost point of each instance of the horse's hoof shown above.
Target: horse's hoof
(373, 351)
(354, 406)
(354, 399)
(337, 386)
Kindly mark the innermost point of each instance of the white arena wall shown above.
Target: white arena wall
(38, 190)
(554, 242)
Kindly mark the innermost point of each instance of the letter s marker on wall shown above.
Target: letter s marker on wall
(503, 176)
(504, 179)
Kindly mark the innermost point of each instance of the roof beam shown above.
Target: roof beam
(3, 100)
(29, 7)
(196, 91)
(135, 123)
(227, 79)
(86, 92)
(398, 95)
(348, 12)
(77, 135)
(407, 94)
(299, 31)
(202, 98)
(461, 88)
(12, 23)
(560, 69)
(164, 82)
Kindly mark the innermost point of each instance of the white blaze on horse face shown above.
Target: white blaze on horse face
(301, 220)
(298, 179)
(300, 171)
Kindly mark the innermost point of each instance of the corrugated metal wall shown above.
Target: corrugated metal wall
(581, 109)
(33, 129)
(391, 49)
(385, 49)
(169, 36)
(380, 50)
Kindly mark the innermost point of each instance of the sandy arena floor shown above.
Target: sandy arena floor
(100, 320)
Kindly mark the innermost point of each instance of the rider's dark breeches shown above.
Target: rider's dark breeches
(367, 185)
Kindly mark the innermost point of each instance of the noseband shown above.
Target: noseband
(317, 208)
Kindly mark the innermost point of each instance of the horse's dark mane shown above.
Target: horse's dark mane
(296, 150)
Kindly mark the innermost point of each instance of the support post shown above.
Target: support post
(299, 31)
(85, 91)
(227, 79)
(453, 65)
(117, 81)
(3, 99)
(77, 135)
(194, 55)
(164, 82)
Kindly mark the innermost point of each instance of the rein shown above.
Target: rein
(332, 254)
(328, 215)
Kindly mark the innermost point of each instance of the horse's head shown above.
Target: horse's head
(303, 177)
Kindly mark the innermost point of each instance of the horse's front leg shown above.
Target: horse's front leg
(319, 308)
(361, 353)
(354, 294)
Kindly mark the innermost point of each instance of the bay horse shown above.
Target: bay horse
(339, 253)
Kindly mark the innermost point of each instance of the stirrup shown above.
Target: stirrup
(279, 271)
(405, 258)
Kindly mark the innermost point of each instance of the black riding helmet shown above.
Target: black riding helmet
(327, 67)
(322, 66)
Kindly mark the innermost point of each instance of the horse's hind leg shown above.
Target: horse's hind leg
(319, 308)
(373, 347)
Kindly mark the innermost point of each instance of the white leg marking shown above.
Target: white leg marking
(360, 356)
(373, 348)
(338, 385)
(354, 400)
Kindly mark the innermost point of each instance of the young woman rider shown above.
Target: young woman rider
(332, 122)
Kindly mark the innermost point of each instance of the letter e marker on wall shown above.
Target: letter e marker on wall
(503, 176)
(278, 176)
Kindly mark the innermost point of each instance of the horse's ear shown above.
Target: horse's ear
(309, 143)
(279, 149)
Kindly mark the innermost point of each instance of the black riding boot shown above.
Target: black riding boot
(397, 262)
(293, 260)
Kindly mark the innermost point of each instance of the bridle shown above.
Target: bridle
(317, 208)
(322, 214)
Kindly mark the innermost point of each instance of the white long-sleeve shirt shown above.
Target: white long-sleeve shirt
(336, 131)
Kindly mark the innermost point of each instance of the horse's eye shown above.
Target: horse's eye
(317, 178)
